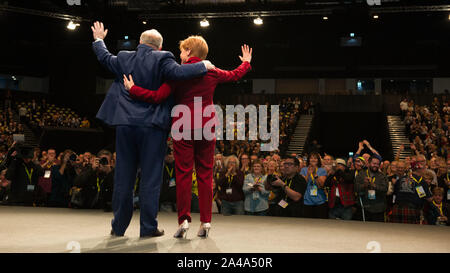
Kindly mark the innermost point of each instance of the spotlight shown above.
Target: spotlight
(352, 34)
(258, 21)
(376, 16)
(72, 26)
(144, 22)
(325, 18)
(204, 23)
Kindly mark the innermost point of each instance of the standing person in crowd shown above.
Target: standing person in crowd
(444, 180)
(315, 200)
(245, 163)
(168, 195)
(438, 211)
(230, 186)
(62, 178)
(372, 186)
(24, 175)
(327, 163)
(342, 194)
(289, 190)
(256, 196)
(96, 182)
(4, 186)
(411, 193)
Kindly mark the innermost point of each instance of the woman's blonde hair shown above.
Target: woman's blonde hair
(232, 157)
(197, 45)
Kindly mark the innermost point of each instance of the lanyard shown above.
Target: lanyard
(418, 182)
(257, 181)
(289, 186)
(312, 177)
(99, 182)
(371, 178)
(290, 182)
(29, 174)
(439, 207)
(169, 172)
(230, 179)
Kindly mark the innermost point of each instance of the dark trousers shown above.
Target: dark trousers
(319, 211)
(144, 147)
(374, 217)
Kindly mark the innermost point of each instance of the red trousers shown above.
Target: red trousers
(187, 152)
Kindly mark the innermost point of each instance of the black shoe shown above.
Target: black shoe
(156, 233)
(114, 234)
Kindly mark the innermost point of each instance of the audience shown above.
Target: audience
(341, 195)
(315, 204)
(247, 180)
(256, 195)
(289, 190)
(371, 186)
(229, 185)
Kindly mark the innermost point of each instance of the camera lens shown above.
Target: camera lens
(103, 161)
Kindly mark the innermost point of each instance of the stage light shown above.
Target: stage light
(126, 37)
(258, 21)
(144, 22)
(352, 34)
(72, 26)
(376, 16)
(325, 18)
(204, 23)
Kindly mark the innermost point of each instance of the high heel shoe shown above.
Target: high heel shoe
(182, 230)
(204, 230)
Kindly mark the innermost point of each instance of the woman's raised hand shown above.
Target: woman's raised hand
(246, 54)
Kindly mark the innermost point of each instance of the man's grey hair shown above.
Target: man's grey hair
(152, 37)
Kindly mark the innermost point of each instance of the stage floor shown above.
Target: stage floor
(59, 230)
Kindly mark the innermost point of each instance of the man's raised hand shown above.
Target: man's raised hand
(99, 31)
(246, 53)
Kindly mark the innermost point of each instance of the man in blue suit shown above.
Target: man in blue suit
(141, 128)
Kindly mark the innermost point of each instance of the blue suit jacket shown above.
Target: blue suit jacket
(149, 68)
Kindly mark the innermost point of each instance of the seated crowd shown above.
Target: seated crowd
(39, 115)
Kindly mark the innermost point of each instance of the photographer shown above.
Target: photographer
(62, 177)
(341, 194)
(24, 175)
(94, 185)
(288, 190)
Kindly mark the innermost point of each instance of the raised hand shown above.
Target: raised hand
(246, 53)
(128, 83)
(98, 31)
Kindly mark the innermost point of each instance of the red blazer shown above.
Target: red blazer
(185, 91)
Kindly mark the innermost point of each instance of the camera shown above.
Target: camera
(73, 157)
(103, 161)
(24, 152)
(270, 179)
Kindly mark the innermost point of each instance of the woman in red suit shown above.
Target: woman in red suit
(187, 152)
